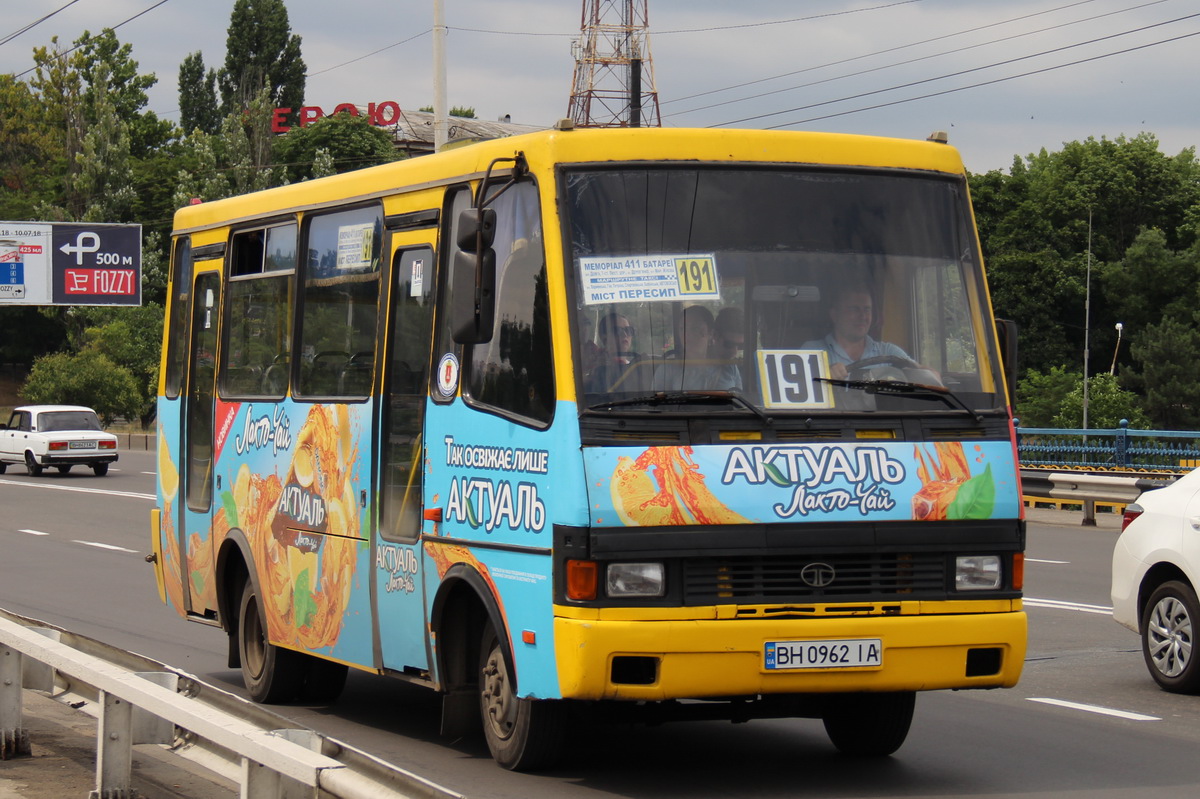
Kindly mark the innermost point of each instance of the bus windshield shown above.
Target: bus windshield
(797, 289)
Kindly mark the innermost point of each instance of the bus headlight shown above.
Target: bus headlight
(634, 579)
(977, 573)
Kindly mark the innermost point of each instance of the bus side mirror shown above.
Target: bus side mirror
(1006, 337)
(473, 277)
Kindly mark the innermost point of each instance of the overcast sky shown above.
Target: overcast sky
(867, 66)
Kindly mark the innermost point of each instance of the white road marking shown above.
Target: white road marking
(33, 532)
(80, 490)
(98, 545)
(1060, 605)
(1038, 560)
(1104, 711)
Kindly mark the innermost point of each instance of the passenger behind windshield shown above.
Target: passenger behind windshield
(613, 371)
(696, 366)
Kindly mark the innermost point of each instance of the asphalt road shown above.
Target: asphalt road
(1086, 718)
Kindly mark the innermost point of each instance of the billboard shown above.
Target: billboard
(70, 263)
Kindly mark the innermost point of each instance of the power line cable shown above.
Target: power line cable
(368, 55)
(34, 24)
(977, 85)
(114, 27)
(707, 30)
(877, 52)
(908, 61)
(960, 72)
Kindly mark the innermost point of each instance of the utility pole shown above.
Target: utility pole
(613, 84)
(441, 118)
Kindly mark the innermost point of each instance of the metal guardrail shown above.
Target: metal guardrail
(140, 701)
(1158, 451)
(1087, 489)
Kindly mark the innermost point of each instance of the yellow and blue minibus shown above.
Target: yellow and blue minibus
(709, 423)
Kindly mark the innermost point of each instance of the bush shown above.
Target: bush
(87, 378)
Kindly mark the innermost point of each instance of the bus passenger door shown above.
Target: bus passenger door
(400, 629)
(196, 467)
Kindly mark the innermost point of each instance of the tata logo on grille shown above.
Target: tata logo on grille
(817, 575)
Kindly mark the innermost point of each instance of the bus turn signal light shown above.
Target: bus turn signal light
(581, 579)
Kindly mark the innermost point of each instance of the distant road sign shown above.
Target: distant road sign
(69, 263)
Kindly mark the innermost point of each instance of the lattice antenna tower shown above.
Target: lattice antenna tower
(613, 86)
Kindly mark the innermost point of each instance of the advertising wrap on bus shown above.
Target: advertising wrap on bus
(756, 484)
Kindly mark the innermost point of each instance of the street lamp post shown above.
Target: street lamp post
(1112, 370)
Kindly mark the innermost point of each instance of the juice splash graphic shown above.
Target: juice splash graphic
(664, 486)
(444, 556)
(306, 576)
(948, 491)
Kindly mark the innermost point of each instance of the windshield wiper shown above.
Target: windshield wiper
(665, 397)
(906, 389)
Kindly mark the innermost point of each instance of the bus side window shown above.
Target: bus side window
(181, 280)
(258, 321)
(340, 302)
(514, 372)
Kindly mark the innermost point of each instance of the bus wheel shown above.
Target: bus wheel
(522, 734)
(323, 680)
(271, 674)
(869, 725)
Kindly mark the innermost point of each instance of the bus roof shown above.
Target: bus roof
(545, 149)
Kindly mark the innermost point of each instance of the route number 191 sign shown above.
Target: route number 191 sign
(787, 378)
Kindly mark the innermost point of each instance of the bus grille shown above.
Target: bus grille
(815, 578)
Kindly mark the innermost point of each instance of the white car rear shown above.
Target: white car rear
(56, 436)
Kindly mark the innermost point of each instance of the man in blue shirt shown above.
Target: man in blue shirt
(852, 315)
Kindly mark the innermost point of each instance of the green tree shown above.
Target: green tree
(235, 161)
(107, 67)
(1038, 223)
(131, 338)
(1169, 375)
(1108, 404)
(261, 52)
(198, 96)
(461, 111)
(102, 189)
(1040, 397)
(26, 147)
(1152, 282)
(351, 141)
(87, 378)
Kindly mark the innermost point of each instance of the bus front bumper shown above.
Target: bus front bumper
(639, 660)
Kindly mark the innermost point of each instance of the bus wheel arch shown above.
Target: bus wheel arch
(464, 604)
(232, 570)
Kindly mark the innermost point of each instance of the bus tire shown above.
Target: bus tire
(869, 725)
(323, 680)
(522, 734)
(271, 674)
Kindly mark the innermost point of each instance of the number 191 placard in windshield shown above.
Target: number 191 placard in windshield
(787, 378)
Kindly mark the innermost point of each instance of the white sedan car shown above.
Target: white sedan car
(1156, 563)
(60, 436)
